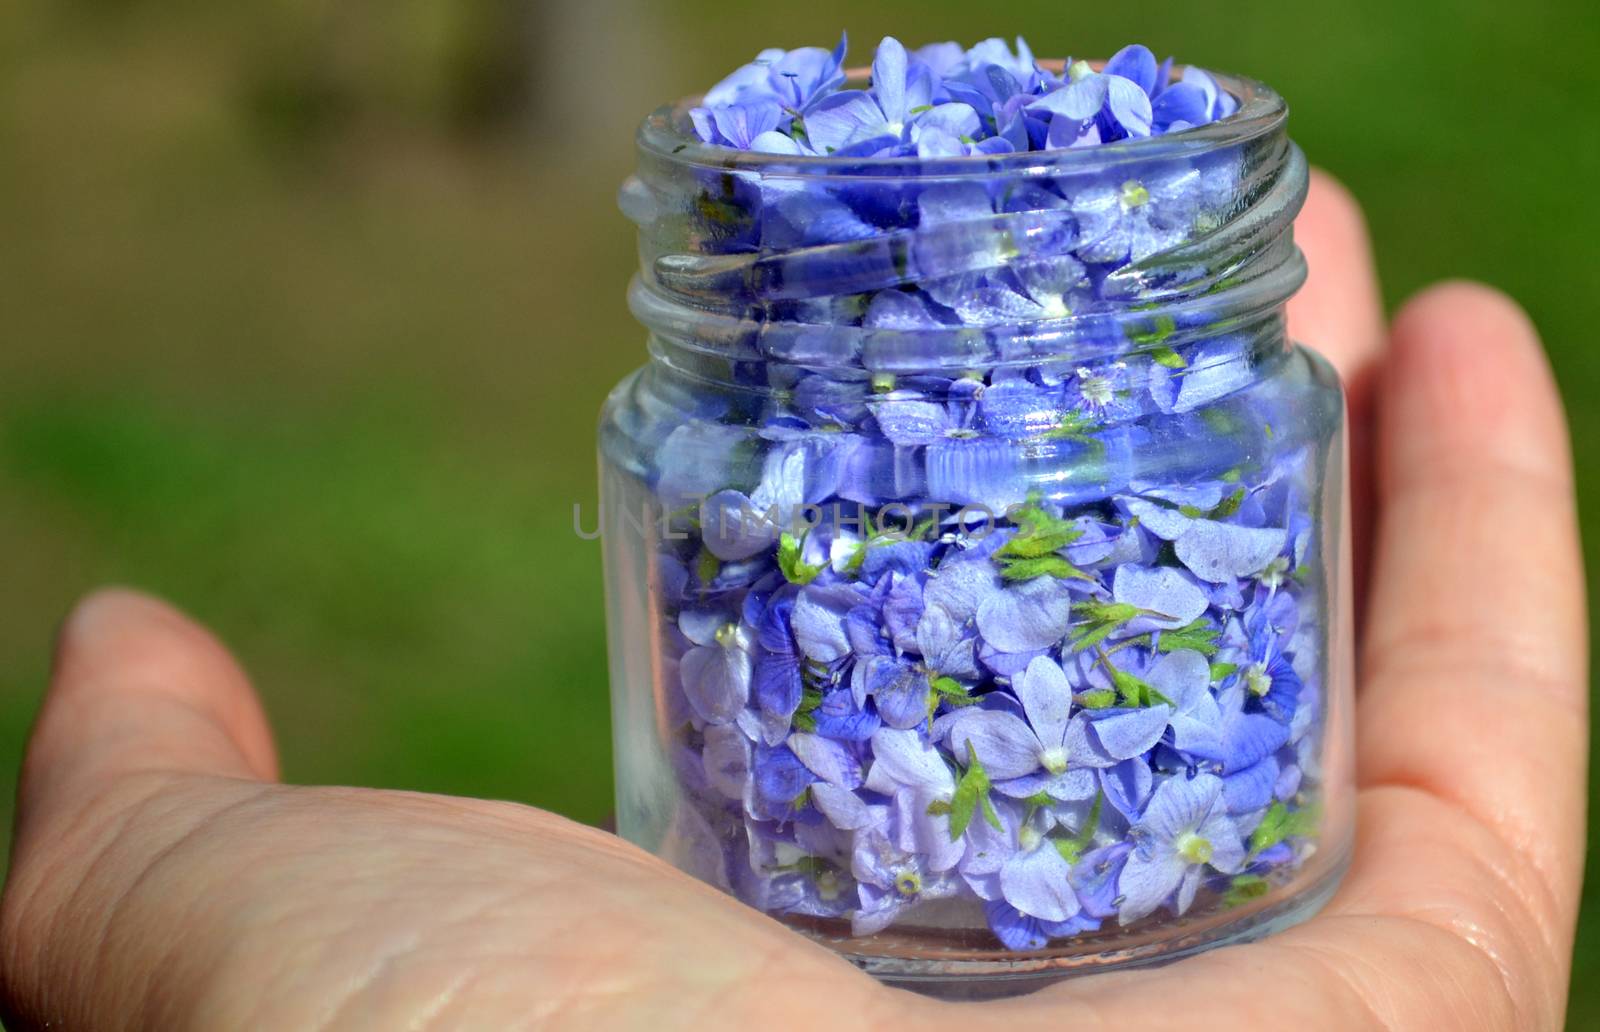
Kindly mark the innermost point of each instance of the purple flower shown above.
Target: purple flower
(1184, 831)
(899, 108)
(1094, 107)
(1011, 746)
(746, 126)
(795, 79)
(715, 673)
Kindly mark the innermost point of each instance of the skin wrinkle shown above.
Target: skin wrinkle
(1504, 978)
(1501, 874)
(1423, 652)
(1341, 965)
(1538, 897)
(1529, 837)
(117, 910)
(25, 866)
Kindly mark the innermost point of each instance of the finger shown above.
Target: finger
(1474, 672)
(1339, 313)
(138, 688)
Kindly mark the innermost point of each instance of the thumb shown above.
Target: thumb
(138, 688)
(142, 700)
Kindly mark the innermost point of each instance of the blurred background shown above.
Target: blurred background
(309, 308)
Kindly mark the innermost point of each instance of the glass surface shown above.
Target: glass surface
(974, 549)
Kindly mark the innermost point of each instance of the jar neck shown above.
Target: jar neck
(1164, 256)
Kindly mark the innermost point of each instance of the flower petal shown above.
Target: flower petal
(902, 757)
(1217, 551)
(1147, 881)
(727, 760)
(818, 621)
(1036, 884)
(1026, 617)
(1180, 804)
(716, 681)
(1046, 699)
(827, 759)
(1163, 591)
(1005, 745)
(1133, 733)
(843, 808)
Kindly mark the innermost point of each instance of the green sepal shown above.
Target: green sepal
(1134, 691)
(1163, 355)
(1074, 426)
(794, 569)
(1283, 823)
(1223, 671)
(1039, 800)
(707, 566)
(1072, 849)
(1199, 636)
(947, 689)
(1101, 620)
(1162, 327)
(1099, 698)
(1040, 566)
(1229, 505)
(1244, 888)
(972, 793)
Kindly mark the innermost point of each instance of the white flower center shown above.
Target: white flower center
(1134, 194)
(1257, 680)
(1096, 389)
(1027, 839)
(1193, 848)
(1276, 572)
(1054, 760)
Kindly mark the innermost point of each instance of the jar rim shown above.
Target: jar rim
(665, 134)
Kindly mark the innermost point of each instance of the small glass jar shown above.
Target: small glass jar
(975, 558)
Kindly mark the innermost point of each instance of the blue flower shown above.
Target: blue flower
(1193, 101)
(1020, 932)
(795, 79)
(892, 878)
(715, 673)
(1075, 709)
(745, 125)
(897, 109)
(1265, 668)
(1185, 830)
(1093, 107)
(1012, 746)
(915, 776)
(1214, 550)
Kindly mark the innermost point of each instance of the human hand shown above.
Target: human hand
(162, 879)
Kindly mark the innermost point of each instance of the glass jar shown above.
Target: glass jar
(975, 558)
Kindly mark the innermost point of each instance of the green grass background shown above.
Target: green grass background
(308, 309)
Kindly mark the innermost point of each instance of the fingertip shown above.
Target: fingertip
(1332, 214)
(139, 685)
(1464, 311)
(1468, 373)
(1338, 312)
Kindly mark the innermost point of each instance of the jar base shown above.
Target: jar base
(965, 975)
